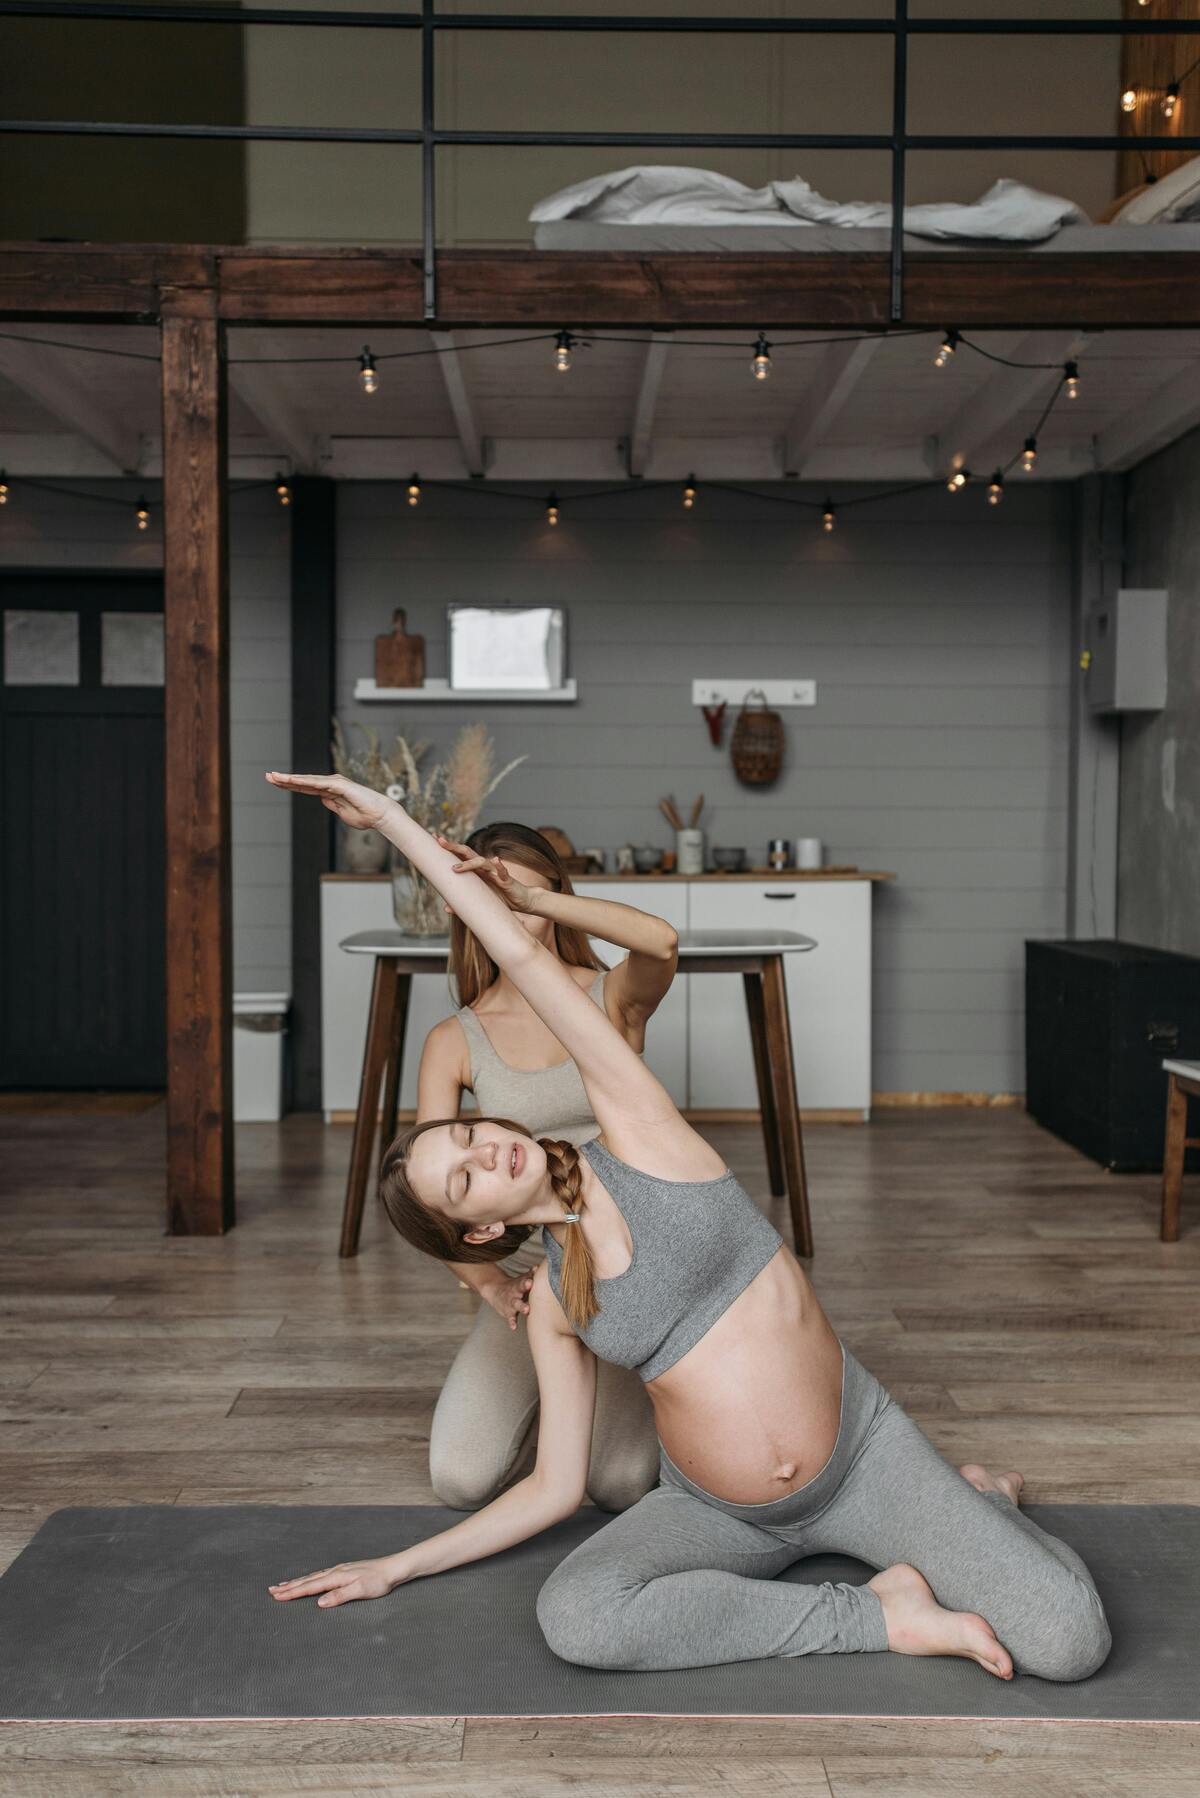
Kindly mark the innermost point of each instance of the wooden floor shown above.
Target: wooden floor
(1015, 1299)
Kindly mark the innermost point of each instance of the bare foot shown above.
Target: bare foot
(1011, 1484)
(917, 1624)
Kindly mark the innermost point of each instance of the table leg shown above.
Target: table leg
(1173, 1153)
(757, 1014)
(395, 1066)
(375, 1054)
(779, 1040)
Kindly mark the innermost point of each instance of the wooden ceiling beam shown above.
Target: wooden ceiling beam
(839, 371)
(457, 392)
(58, 383)
(646, 402)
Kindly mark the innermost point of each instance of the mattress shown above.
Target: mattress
(800, 239)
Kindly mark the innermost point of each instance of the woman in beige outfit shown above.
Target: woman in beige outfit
(497, 1048)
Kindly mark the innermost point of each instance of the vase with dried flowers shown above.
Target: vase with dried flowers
(448, 799)
(366, 851)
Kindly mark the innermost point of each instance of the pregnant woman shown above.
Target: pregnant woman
(497, 1047)
(776, 1443)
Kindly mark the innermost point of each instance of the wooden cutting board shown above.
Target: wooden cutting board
(399, 657)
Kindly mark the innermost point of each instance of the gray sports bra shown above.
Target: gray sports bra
(697, 1244)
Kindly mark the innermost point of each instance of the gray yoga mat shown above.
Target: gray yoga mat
(162, 1611)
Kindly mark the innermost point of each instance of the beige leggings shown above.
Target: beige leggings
(485, 1426)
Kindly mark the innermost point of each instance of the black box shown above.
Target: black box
(1100, 1019)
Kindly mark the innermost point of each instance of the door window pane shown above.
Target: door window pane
(131, 649)
(41, 649)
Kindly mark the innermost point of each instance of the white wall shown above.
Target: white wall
(43, 530)
(937, 631)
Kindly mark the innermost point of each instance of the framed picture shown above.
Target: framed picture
(506, 649)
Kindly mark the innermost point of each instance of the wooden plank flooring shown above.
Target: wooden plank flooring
(1016, 1300)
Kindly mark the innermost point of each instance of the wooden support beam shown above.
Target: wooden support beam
(840, 370)
(269, 393)
(1003, 396)
(647, 399)
(454, 377)
(199, 904)
(314, 657)
(60, 386)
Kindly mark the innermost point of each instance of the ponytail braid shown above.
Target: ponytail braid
(577, 1291)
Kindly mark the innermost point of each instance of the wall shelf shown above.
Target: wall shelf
(441, 690)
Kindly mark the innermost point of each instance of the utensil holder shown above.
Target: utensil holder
(689, 851)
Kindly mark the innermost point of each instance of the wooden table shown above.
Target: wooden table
(757, 957)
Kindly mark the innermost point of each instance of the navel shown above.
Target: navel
(786, 1472)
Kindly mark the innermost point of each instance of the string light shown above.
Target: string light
(3, 487)
(1170, 100)
(142, 513)
(1071, 379)
(996, 489)
(828, 515)
(689, 493)
(949, 345)
(760, 368)
(368, 374)
(1129, 100)
(283, 490)
(414, 489)
(958, 480)
(564, 343)
(1029, 454)
(552, 508)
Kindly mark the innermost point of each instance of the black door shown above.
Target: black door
(82, 898)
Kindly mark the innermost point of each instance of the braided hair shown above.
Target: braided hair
(444, 1237)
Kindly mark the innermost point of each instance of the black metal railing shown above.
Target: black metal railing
(430, 137)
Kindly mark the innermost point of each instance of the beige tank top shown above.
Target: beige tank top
(545, 1101)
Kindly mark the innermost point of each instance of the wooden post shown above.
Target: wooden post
(199, 892)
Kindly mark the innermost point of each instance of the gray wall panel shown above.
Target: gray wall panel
(937, 631)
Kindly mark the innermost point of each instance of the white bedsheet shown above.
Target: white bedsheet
(651, 194)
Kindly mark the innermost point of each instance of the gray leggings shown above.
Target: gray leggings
(688, 1580)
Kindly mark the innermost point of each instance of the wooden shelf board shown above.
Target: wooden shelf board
(440, 691)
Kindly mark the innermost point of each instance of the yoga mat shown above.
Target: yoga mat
(156, 1611)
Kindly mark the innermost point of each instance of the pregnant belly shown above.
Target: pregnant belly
(751, 1412)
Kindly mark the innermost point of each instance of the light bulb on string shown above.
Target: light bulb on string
(689, 493)
(996, 489)
(368, 374)
(3, 486)
(283, 490)
(552, 508)
(948, 346)
(958, 480)
(1029, 454)
(760, 367)
(1071, 379)
(142, 513)
(1129, 100)
(564, 343)
(1170, 100)
(828, 516)
(414, 489)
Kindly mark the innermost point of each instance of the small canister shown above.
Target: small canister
(810, 852)
(689, 851)
(779, 853)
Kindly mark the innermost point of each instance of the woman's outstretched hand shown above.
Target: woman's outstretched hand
(341, 1584)
(515, 894)
(360, 807)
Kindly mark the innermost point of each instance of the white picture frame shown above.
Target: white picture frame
(506, 649)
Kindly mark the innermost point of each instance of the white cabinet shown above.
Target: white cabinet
(347, 906)
(667, 1031)
(698, 1043)
(829, 993)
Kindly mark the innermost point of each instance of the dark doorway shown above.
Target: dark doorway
(83, 890)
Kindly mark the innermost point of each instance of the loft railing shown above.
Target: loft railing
(430, 137)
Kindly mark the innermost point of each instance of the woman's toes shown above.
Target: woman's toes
(977, 1476)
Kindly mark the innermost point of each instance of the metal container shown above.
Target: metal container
(779, 853)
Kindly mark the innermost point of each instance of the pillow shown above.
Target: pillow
(1169, 200)
(648, 193)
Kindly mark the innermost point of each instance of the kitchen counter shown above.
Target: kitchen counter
(756, 874)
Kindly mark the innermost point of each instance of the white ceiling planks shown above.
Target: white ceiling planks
(650, 405)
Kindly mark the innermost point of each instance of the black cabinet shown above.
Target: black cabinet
(1100, 1018)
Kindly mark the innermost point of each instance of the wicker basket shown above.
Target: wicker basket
(756, 747)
